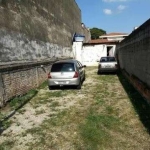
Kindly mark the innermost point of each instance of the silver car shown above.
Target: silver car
(66, 73)
(107, 64)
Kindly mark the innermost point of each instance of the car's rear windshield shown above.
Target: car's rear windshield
(62, 67)
(107, 59)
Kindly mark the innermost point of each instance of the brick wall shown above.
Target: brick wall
(134, 55)
(16, 80)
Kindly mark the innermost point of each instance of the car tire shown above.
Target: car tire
(50, 87)
(79, 86)
(98, 72)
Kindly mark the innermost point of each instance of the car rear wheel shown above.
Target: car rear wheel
(79, 85)
(50, 87)
(98, 72)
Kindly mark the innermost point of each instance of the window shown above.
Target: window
(62, 67)
(112, 59)
(108, 59)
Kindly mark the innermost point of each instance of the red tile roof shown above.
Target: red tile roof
(101, 41)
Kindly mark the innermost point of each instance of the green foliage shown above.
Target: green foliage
(95, 33)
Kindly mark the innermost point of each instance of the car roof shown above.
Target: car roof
(66, 61)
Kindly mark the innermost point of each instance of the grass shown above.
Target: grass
(41, 111)
(92, 126)
(18, 102)
(140, 105)
(95, 130)
(103, 117)
(6, 145)
(15, 104)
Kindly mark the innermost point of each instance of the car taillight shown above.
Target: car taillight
(49, 76)
(76, 75)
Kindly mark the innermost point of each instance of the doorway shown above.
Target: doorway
(109, 50)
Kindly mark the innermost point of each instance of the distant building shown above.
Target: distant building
(114, 36)
(104, 46)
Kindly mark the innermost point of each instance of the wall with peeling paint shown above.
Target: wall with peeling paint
(38, 29)
(17, 47)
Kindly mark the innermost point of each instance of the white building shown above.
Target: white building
(91, 52)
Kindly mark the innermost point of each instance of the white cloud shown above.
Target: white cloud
(114, 0)
(121, 7)
(107, 11)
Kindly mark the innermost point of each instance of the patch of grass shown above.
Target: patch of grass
(54, 104)
(41, 111)
(6, 145)
(95, 131)
(109, 110)
(43, 85)
(55, 94)
(5, 124)
(1, 116)
(99, 101)
(21, 111)
(18, 102)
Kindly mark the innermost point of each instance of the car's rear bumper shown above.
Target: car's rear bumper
(107, 70)
(63, 82)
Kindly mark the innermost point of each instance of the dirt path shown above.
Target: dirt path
(99, 116)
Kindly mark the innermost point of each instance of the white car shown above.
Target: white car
(66, 73)
(107, 64)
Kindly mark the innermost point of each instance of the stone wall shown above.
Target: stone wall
(134, 55)
(38, 29)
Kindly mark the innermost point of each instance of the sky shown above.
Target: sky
(114, 15)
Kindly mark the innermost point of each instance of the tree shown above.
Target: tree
(95, 33)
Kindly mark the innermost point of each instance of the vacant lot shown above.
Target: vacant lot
(106, 114)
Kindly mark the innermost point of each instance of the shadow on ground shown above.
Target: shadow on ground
(142, 107)
(14, 105)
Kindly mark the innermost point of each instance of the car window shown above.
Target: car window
(107, 59)
(111, 59)
(104, 59)
(80, 65)
(62, 67)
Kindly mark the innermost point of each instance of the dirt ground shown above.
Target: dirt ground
(102, 115)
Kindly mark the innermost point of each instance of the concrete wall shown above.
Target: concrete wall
(134, 54)
(38, 29)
